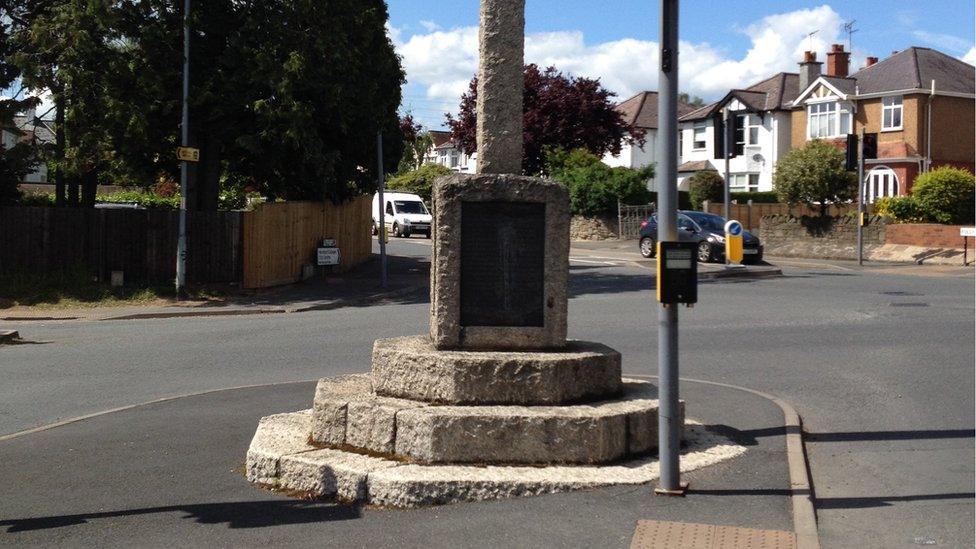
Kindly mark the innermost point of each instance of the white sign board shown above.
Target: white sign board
(327, 256)
(328, 243)
(967, 231)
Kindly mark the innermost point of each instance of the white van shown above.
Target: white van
(404, 214)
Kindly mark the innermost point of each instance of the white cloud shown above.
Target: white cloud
(970, 56)
(430, 26)
(943, 41)
(442, 62)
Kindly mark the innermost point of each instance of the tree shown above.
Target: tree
(416, 145)
(419, 181)
(814, 175)
(692, 100)
(15, 161)
(706, 185)
(595, 188)
(559, 112)
(278, 101)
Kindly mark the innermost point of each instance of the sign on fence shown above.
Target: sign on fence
(327, 256)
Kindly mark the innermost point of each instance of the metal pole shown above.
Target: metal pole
(184, 140)
(727, 195)
(860, 198)
(381, 204)
(667, 231)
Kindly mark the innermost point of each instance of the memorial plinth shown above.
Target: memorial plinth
(494, 393)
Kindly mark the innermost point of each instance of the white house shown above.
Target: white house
(763, 137)
(443, 151)
(29, 128)
(641, 111)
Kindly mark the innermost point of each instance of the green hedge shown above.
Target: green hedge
(228, 200)
(943, 195)
(757, 197)
(595, 188)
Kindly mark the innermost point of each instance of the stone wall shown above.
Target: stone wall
(592, 228)
(827, 238)
(926, 235)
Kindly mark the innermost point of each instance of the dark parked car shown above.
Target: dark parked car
(708, 230)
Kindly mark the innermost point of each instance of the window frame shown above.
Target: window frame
(703, 126)
(898, 107)
(832, 113)
(749, 182)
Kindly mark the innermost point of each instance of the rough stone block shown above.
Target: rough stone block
(595, 433)
(277, 435)
(371, 425)
(446, 327)
(332, 395)
(330, 473)
(411, 368)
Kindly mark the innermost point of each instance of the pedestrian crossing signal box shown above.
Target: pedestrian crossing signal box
(677, 273)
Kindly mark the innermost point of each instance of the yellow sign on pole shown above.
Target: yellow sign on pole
(188, 154)
(733, 241)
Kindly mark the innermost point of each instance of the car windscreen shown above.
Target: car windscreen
(708, 221)
(409, 207)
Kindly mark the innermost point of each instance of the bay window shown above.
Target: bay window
(830, 119)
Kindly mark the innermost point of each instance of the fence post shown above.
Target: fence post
(620, 222)
(749, 213)
(705, 206)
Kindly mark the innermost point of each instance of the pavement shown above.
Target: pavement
(878, 360)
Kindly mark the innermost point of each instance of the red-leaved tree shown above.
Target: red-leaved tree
(559, 111)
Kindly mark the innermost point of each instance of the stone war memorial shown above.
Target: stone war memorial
(495, 401)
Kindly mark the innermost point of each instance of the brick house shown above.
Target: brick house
(919, 102)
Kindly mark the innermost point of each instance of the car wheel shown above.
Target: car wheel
(396, 230)
(647, 247)
(406, 233)
(704, 252)
(427, 235)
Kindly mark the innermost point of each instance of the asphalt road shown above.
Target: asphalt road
(878, 361)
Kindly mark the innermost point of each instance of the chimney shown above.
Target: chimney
(838, 61)
(809, 69)
(870, 61)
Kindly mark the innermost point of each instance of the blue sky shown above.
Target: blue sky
(724, 44)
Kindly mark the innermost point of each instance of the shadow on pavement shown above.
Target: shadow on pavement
(238, 514)
(889, 435)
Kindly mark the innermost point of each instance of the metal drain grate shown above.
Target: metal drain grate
(653, 534)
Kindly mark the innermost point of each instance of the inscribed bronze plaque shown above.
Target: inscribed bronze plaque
(502, 263)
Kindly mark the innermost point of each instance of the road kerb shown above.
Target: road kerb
(801, 498)
(8, 336)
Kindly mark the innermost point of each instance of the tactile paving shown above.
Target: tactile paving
(654, 534)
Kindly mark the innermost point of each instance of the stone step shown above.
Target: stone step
(281, 457)
(347, 415)
(411, 368)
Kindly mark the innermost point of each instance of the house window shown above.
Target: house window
(699, 143)
(739, 182)
(880, 182)
(455, 158)
(828, 120)
(891, 113)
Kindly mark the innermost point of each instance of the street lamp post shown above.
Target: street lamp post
(184, 141)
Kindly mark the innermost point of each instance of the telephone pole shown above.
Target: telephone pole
(184, 142)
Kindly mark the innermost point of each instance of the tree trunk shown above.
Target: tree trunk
(89, 188)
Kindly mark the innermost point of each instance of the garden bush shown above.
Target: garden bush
(945, 195)
(419, 181)
(594, 187)
(902, 209)
(706, 185)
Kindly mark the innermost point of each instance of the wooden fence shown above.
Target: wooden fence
(140, 243)
(750, 214)
(281, 237)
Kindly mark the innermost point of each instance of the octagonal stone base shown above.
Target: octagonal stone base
(346, 414)
(280, 457)
(411, 368)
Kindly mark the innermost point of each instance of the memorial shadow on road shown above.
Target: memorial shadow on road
(237, 514)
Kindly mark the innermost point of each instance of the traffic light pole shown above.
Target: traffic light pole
(860, 198)
(669, 416)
